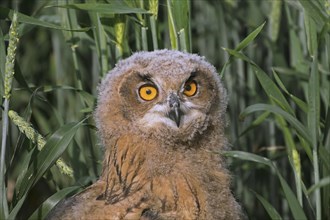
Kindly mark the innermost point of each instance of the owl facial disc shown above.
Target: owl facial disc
(175, 112)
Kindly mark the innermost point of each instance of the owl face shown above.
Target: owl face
(165, 94)
(173, 104)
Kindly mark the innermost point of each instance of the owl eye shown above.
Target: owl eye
(148, 92)
(190, 88)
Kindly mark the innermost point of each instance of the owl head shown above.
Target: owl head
(168, 95)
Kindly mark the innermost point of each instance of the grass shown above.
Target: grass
(273, 57)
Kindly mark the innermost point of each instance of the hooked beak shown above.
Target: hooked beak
(175, 113)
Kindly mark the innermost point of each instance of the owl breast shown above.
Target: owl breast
(169, 185)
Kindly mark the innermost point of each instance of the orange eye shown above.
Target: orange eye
(148, 92)
(190, 88)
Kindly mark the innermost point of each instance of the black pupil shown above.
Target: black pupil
(148, 91)
(188, 87)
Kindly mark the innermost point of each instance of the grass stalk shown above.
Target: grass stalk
(172, 28)
(153, 7)
(9, 74)
(69, 19)
(293, 156)
(153, 31)
(3, 202)
(101, 42)
(313, 125)
(144, 38)
(182, 41)
(317, 192)
(76, 67)
(119, 34)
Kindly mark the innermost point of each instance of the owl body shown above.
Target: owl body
(160, 117)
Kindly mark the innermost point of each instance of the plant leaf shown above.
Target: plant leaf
(314, 103)
(323, 182)
(249, 157)
(115, 7)
(2, 62)
(51, 202)
(315, 10)
(22, 18)
(256, 122)
(269, 208)
(311, 34)
(249, 38)
(266, 82)
(53, 149)
(295, 208)
(179, 22)
(302, 105)
(276, 110)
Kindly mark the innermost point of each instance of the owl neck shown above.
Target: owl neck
(146, 157)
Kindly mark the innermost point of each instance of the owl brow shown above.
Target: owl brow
(145, 77)
(192, 75)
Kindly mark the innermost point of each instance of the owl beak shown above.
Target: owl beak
(175, 112)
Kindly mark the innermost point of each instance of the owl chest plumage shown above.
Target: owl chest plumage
(169, 184)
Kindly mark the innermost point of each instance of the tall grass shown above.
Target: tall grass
(273, 57)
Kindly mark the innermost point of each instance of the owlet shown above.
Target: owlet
(161, 119)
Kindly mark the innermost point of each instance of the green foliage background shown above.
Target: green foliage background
(273, 56)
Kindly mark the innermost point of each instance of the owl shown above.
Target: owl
(161, 119)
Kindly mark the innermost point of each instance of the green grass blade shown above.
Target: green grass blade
(115, 7)
(22, 18)
(295, 47)
(275, 19)
(313, 119)
(21, 79)
(261, 118)
(2, 62)
(53, 149)
(249, 157)
(154, 32)
(172, 28)
(51, 202)
(273, 214)
(100, 42)
(244, 43)
(295, 208)
(179, 21)
(314, 103)
(323, 182)
(293, 155)
(311, 34)
(300, 103)
(26, 159)
(291, 72)
(3, 200)
(153, 7)
(86, 97)
(271, 89)
(182, 40)
(316, 10)
(266, 82)
(299, 127)
(120, 26)
(144, 38)
(16, 209)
